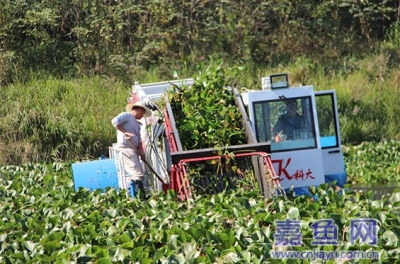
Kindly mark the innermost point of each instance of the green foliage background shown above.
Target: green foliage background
(123, 38)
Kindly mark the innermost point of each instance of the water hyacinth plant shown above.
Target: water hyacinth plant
(43, 220)
(206, 116)
(205, 113)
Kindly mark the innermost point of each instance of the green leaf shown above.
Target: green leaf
(29, 245)
(52, 245)
(136, 253)
(160, 252)
(201, 260)
(110, 242)
(209, 251)
(293, 213)
(127, 245)
(245, 255)
(146, 261)
(122, 223)
(18, 255)
(103, 261)
(173, 242)
(196, 233)
(111, 212)
(83, 249)
(338, 218)
(395, 197)
(28, 212)
(112, 230)
(313, 207)
(236, 212)
(390, 238)
(100, 252)
(229, 256)
(3, 237)
(55, 236)
(68, 213)
(312, 190)
(281, 206)
(123, 238)
(221, 236)
(382, 217)
(176, 258)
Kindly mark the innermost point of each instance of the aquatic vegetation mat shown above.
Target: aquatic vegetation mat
(43, 220)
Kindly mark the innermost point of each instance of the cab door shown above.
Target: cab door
(329, 133)
(297, 160)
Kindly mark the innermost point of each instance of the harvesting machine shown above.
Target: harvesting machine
(308, 156)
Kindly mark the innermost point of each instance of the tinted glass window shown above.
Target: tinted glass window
(326, 120)
(288, 124)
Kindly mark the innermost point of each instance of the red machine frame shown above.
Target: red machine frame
(179, 181)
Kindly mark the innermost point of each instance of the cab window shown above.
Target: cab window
(327, 121)
(288, 124)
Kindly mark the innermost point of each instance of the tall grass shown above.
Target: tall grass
(368, 101)
(52, 119)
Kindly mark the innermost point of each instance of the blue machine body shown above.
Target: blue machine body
(97, 174)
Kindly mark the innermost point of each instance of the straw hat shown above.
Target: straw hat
(147, 113)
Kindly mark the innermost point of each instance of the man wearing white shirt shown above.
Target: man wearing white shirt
(128, 129)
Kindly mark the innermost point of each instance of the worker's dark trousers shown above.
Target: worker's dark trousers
(139, 190)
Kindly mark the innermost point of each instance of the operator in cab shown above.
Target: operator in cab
(289, 124)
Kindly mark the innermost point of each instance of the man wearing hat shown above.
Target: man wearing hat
(288, 122)
(129, 141)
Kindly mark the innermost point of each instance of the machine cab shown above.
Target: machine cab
(303, 129)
